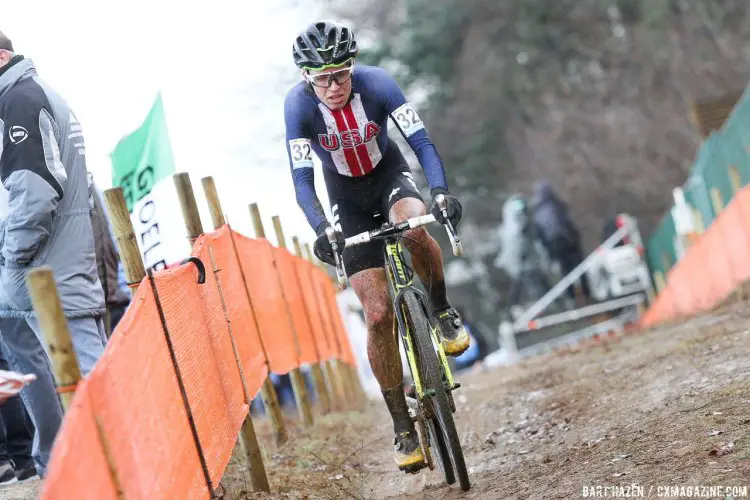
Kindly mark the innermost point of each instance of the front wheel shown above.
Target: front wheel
(440, 451)
(443, 433)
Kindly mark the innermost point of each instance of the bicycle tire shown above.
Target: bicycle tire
(431, 374)
(441, 454)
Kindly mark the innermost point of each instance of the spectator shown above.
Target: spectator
(46, 221)
(116, 294)
(557, 232)
(522, 255)
(16, 429)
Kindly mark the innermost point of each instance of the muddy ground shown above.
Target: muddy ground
(666, 407)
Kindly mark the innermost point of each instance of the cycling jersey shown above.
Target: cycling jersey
(353, 140)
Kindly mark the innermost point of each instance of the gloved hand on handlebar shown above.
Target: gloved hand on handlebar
(323, 249)
(453, 207)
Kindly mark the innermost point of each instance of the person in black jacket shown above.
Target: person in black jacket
(556, 230)
(16, 437)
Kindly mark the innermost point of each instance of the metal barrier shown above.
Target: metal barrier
(637, 296)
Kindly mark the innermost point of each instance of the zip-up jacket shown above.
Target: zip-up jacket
(46, 219)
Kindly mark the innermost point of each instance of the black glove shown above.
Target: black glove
(452, 205)
(322, 247)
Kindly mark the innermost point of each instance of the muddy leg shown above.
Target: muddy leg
(371, 286)
(425, 252)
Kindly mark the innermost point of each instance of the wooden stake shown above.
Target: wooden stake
(297, 247)
(324, 399)
(260, 232)
(298, 381)
(135, 271)
(248, 438)
(280, 238)
(188, 206)
(46, 302)
(214, 205)
(125, 236)
(309, 255)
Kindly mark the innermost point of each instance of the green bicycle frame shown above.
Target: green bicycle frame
(402, 281)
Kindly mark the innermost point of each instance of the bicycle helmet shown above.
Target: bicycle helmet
(324, 44)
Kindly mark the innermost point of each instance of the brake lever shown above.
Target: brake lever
(458, 248)
(340, 274)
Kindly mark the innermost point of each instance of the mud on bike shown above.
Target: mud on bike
(431, 405)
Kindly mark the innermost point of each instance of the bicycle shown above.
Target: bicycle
(433, 407)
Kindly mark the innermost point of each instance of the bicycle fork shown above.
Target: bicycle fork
(402, 282)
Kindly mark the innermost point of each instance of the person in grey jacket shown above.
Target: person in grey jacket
(46, 221)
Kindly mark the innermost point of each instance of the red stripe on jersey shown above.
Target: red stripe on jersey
(349, 153)
(364, 156)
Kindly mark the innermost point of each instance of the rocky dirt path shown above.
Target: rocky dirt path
(668, 407)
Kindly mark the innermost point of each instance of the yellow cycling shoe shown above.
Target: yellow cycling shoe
(454, 337)
(407, 452)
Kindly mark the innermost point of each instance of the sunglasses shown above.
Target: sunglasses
(325, 80)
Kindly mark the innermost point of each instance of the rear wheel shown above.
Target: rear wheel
(442, 428)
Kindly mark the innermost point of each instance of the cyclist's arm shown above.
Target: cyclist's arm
(412, 128)
(299, 152)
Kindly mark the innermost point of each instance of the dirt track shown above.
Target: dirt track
(669, 407)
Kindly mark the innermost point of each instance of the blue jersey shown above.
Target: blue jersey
(351, 141)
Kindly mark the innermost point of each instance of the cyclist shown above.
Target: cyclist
(340, 112)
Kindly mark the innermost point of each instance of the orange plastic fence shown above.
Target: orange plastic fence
(277, 310)
(136, 397)
(86, 462)
(241, 311)
(291, 283)
(204, 354)
(329, 312)
(322, 332)
(712, 267)
(257, 260)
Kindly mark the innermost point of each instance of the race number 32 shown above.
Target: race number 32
(407, 119)
(301, 153)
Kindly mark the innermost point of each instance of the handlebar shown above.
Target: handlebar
(391, 229)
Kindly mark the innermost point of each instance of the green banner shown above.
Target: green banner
(144, 157)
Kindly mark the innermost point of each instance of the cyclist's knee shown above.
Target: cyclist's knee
(406, 208)
(371, 287)
(378, 312)
(417, 239)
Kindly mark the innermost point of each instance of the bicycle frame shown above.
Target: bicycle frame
(402, 282)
